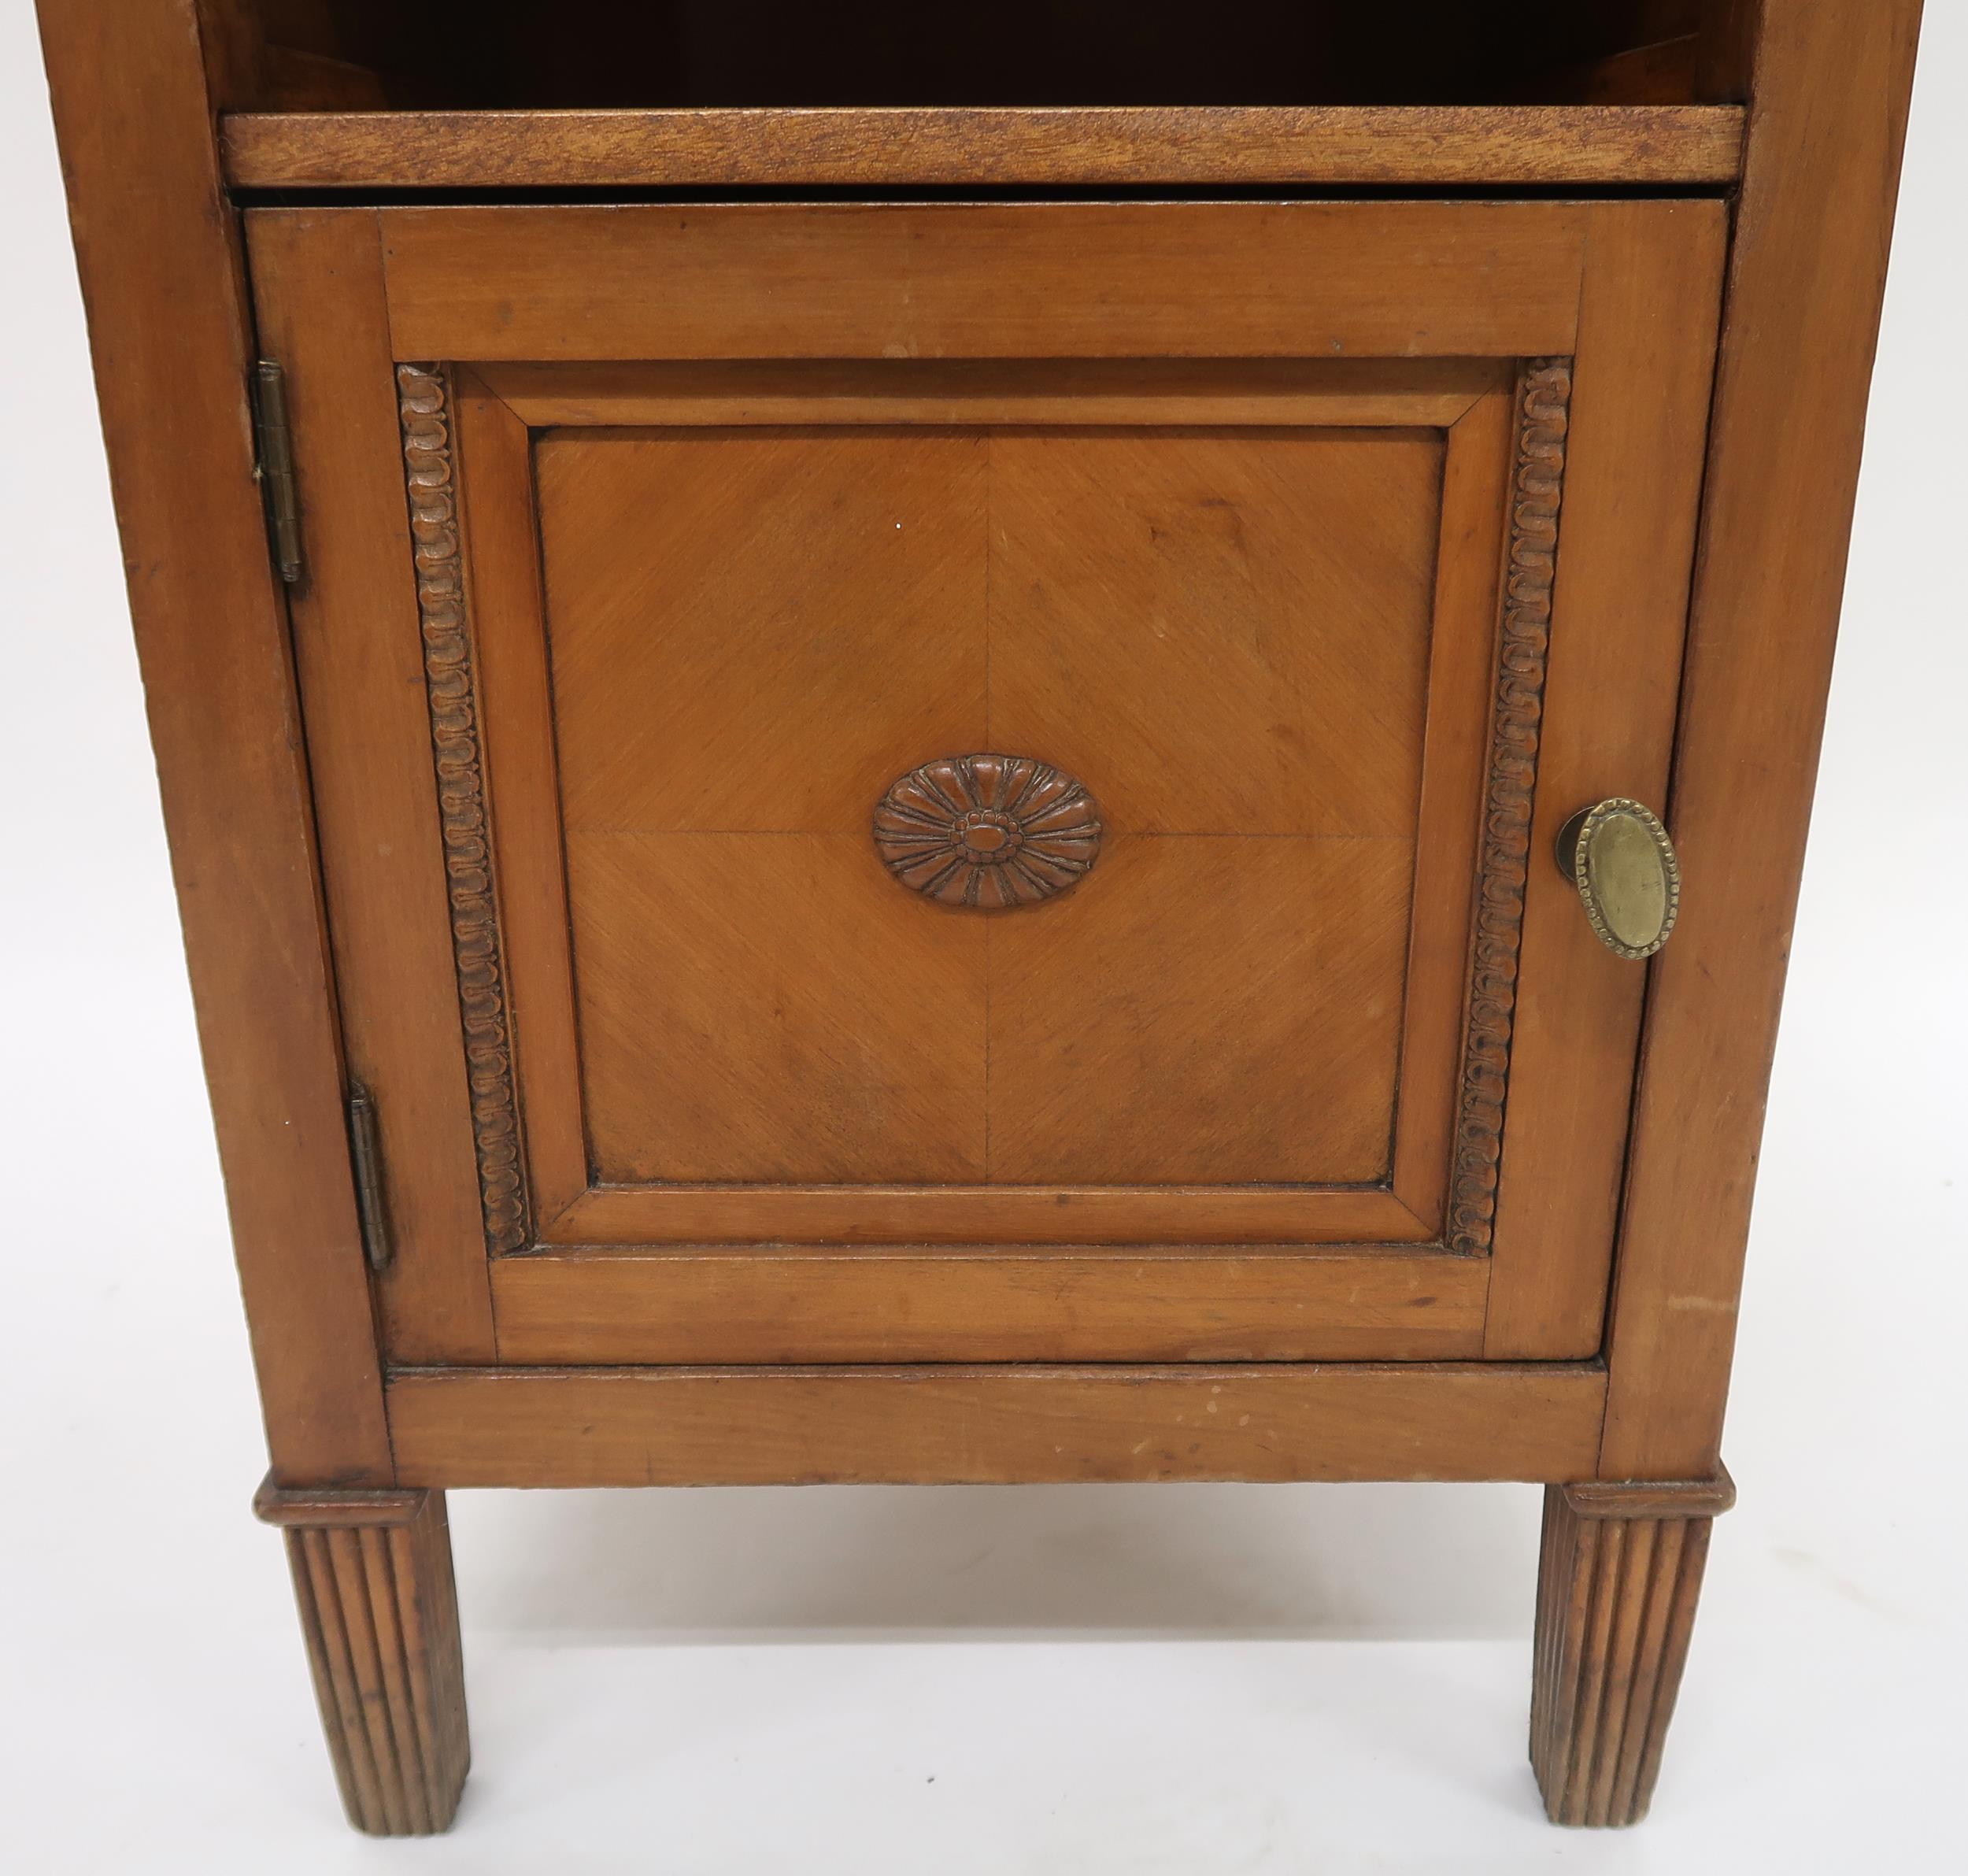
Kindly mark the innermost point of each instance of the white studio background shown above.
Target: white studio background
(1191, 1679)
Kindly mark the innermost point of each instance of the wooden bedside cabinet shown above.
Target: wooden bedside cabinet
(1059, 756)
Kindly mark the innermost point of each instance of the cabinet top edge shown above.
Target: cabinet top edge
(1314, 146)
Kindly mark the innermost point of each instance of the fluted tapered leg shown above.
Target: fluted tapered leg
(1617, 1586)
(378, 1609)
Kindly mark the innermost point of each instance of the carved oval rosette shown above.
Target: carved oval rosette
(424, 403)
(1544, 405)
(987, 831)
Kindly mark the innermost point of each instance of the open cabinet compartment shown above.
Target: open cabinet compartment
(372, 54)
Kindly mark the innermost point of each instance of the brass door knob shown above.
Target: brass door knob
(1618, 855)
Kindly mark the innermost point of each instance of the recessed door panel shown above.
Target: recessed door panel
(1222, 634)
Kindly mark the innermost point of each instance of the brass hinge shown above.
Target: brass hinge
(371, 1200)
(275, 468)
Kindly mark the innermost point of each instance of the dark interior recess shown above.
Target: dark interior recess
(536, 53)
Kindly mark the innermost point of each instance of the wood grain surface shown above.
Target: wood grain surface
(1639, 405)
(1094, 280)
(1619, 1576)
(1221, 1003)
(1496, 146)
(786, 1303)
(512, 645)
(514, 685)
(739, 1029)
(378, 1612)
(1023, 1214)
(161, 282)
(1418, 393)
(900, 1425)
(831, 489)
(358, 655)
(1799, 329)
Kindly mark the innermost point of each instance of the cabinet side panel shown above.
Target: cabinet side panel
(159, 262)
(1827, 122)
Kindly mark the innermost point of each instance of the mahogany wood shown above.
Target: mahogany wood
(987, 832)
(379, 1611)
(1806, 278)
(1661, 73)
(231, 40)
(991, 373)
(461, 54)
(1435, 1111)
(602, 513)
(472, 873)
(965, 1213)
(1096, 280)
(1639, 401)
(626, 1216)
(1185, 1303)
(1618, 1578)
(994, 1425)
(720, 759)
(1418, 393)
(161, 282)
(359, 659)
(1725, 50)
(1645, 145)
(514, 690)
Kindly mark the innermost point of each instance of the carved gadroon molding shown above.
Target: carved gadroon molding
(423, 401)
(1543, 401)
(987, 831)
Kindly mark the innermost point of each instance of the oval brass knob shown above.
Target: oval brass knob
(1618, 855)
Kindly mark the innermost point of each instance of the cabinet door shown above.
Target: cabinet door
(976, 782)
